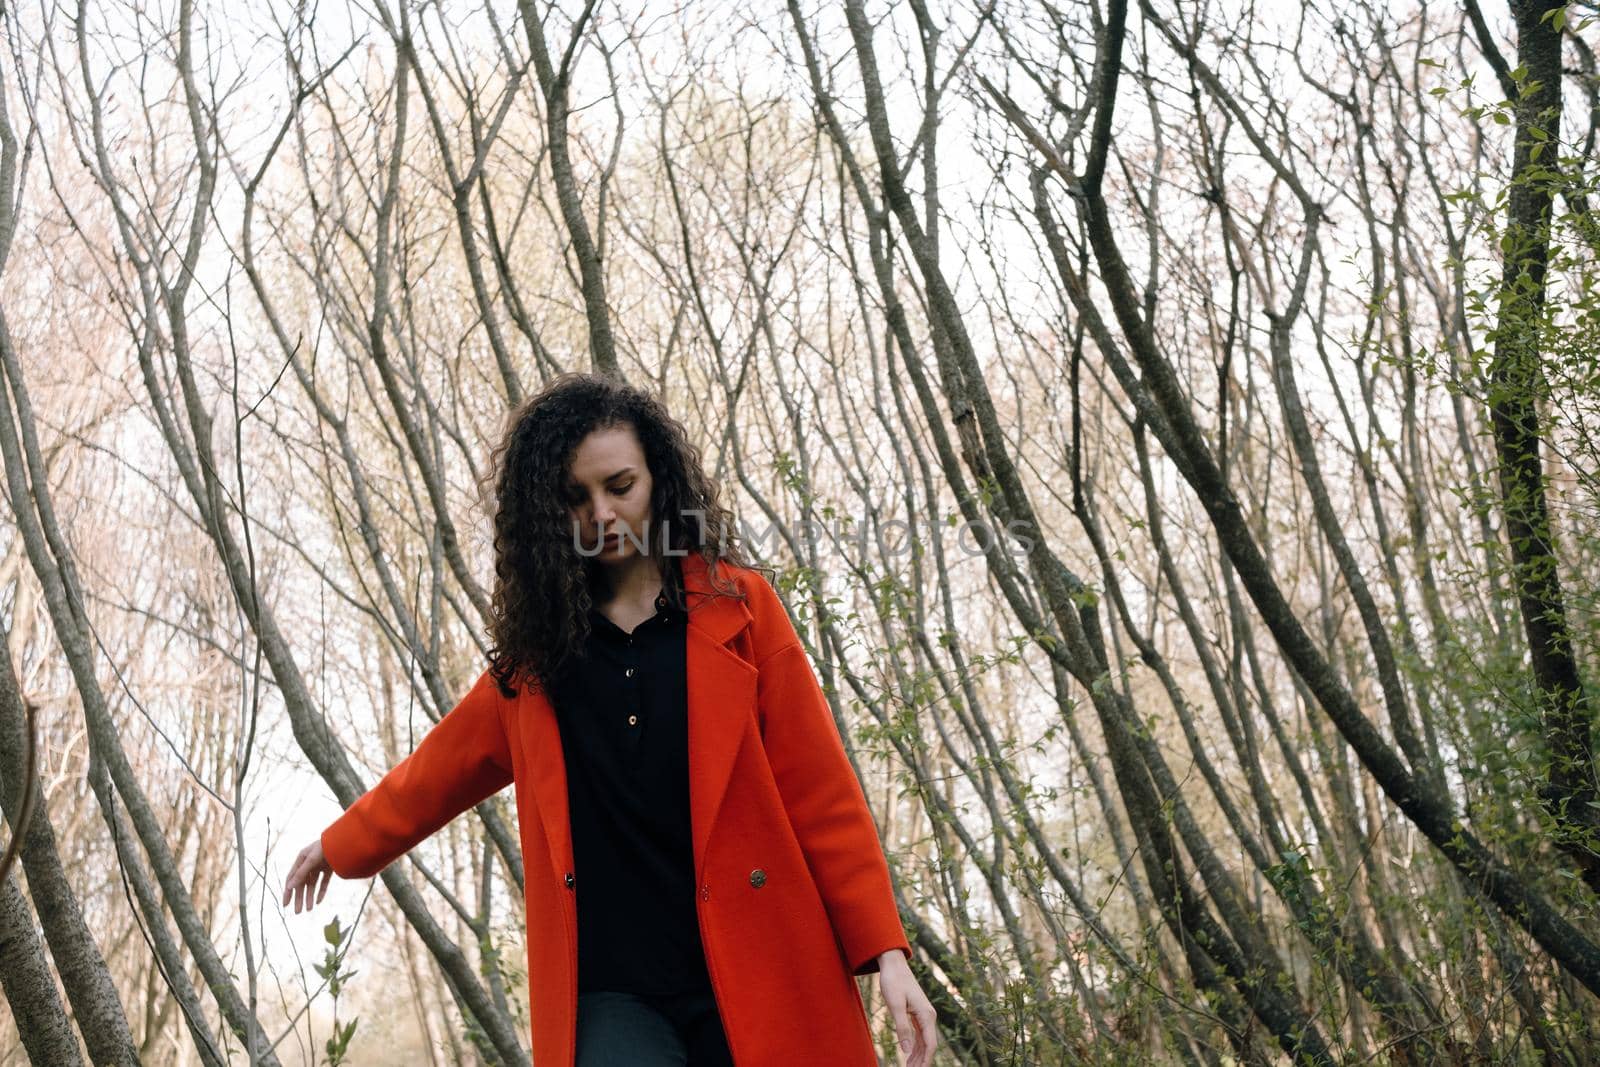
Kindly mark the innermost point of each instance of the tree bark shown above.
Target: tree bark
(1517, 384)
(29, 987)
(84, 975)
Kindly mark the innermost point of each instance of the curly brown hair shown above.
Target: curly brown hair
(543, 584)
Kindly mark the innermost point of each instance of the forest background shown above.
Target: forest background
(1274, 328)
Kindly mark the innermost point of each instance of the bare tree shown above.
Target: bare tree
(1173, 426)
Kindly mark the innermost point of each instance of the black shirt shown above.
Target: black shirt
(622, 708)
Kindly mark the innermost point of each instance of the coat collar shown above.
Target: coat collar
(721, 703)
(718, 616)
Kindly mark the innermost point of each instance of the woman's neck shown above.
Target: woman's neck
(635, 580)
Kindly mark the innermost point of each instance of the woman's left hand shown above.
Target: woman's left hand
(913, 1016)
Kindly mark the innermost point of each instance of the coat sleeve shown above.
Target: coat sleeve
(464, 759)
(824, 800)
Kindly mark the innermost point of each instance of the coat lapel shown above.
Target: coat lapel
(722, 699)
(546, 764)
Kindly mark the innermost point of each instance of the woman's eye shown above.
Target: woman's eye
(622, 489)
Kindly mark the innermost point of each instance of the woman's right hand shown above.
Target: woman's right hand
(302, 884)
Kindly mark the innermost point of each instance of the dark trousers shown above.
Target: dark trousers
(647, 1030)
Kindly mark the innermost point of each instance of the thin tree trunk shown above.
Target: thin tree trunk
(30, 988)
(84, 974)
(1517, 383)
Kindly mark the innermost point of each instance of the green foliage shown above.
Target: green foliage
(1532, 351)
(337, 1047)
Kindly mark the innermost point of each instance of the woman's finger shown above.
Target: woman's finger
(297, 874)
(904, 1029)
(919, 1051)
(288, 882)
(930, 1026)
(301, 888)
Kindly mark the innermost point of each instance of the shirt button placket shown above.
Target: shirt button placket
(633, 694)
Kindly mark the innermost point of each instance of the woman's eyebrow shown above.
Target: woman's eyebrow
(607, 478)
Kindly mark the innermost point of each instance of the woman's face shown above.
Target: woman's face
(608, 493)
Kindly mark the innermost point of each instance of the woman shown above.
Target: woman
(703, 875)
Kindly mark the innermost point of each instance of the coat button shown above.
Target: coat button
(758, 878)
(705, 892)
(628, 672)
(570, 880)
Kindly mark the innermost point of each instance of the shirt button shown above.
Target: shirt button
(628, 672)
(705, 892)
(758, 878)
(570, 880)
(633, 720)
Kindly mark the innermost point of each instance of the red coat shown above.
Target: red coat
(795, 896)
